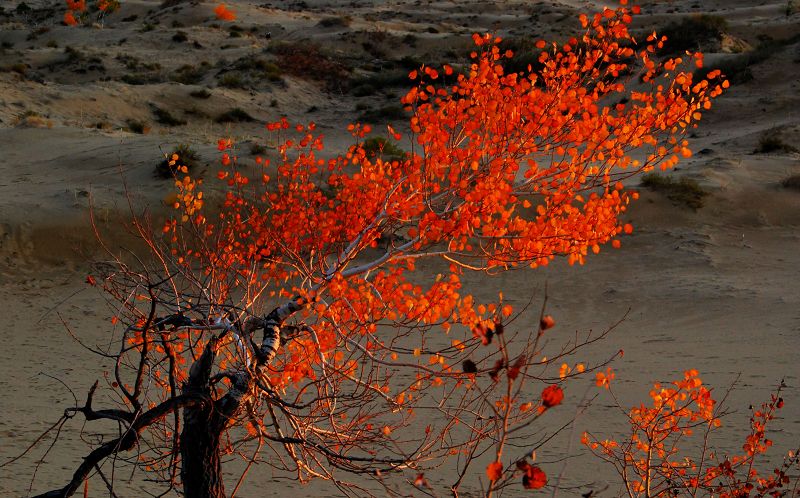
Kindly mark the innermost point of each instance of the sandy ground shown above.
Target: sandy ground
(717, 289)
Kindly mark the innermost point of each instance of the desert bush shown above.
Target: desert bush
(383, 114)
(380, 147)
(791, 182)
(180, 37)
(739, 68)
(139, 127)
(182, 160)
(362, 86)
(772, 141)
(19, 67)
(142, 73)
(306, 59)
(231, 80)
(235, 115)
(256, 149)
(190, 75)
(200, 93)
(163, 116)
(684, 192)
(334, 22)
(250, 72)
(696, 32)
(32, 119)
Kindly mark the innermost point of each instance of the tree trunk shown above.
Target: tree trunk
(203, 425)
(201, 468)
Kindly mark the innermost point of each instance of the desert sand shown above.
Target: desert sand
(716, 289)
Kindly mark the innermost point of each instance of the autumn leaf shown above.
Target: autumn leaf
(513, 370)
(494, 471)
(534, 478)
(552, 396)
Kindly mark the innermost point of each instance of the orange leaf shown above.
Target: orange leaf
(494, 471)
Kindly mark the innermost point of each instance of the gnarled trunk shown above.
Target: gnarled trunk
(201, 468)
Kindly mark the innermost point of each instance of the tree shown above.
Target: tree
(78, 12)
(653, 460)
(318, 256)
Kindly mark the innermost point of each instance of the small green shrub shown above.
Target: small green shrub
(684, 192)
(380, 147)
(231, 80)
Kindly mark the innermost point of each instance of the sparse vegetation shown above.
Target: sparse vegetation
(180, 37)
(525, 55)
(187, 158)
(249, 72)
(737, 68)
(235, 115)
(256, 149)
(305, 59)
(74, 55)
(142, 73)
(771, 141)
(137, 126)
(19, 68)
(201, 93)
(334, 22)
(231, 80)
(383, 114)
(164, 117)
(363, 86)
(190, 75)
(32, 119)
(380, 147)
(791, 182)
(696, 32)
(684, 192)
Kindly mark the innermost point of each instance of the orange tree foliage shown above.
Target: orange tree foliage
(79, 12)
(653, 460)
(505, 171)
